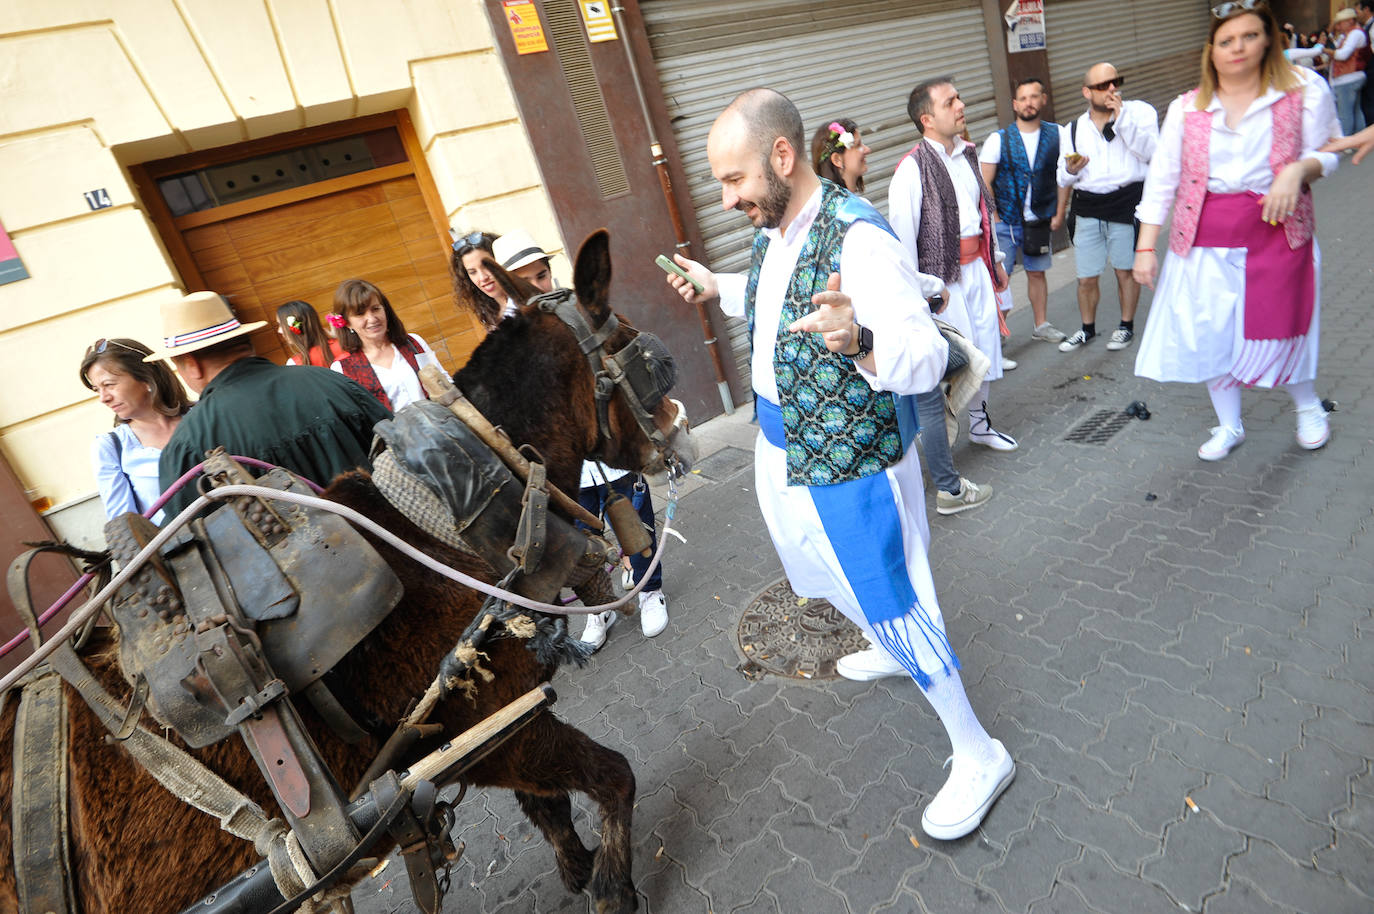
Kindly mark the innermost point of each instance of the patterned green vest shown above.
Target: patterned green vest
(837, 427)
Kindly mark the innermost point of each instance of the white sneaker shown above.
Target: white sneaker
(980, 431)
(1220, 444)
(1120, 338)
(1314, 428)
(597, 625)
(867, 665)
(653, 612)
(1048, 333)
(967, 796)
(1009, 364)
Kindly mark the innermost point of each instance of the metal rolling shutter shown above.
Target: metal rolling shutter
(845, 58)
(1154, 44)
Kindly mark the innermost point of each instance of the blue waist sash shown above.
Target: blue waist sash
(862, 524)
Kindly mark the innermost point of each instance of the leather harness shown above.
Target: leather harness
(256, 602)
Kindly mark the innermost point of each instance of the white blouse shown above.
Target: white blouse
(1239, 158)
(887, 292)
(400, 381)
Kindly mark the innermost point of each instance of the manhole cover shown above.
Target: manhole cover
(1099, 427)
(787, 635)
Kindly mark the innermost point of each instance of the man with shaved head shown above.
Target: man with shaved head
(842, 338)
(1110, 147)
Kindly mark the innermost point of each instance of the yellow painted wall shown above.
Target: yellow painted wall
(88, 87)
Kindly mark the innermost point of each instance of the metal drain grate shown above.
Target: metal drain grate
(1099, 427)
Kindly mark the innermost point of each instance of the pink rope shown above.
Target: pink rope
(175, 487)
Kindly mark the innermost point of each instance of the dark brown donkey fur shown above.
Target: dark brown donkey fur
(137, 849)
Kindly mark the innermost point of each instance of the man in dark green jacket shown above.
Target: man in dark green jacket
(312, 421)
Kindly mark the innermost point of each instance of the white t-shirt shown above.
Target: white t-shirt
(992, 154)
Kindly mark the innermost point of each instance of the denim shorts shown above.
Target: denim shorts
(1094, 241)
(1009, 243)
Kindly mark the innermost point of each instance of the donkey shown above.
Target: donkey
(137, 848)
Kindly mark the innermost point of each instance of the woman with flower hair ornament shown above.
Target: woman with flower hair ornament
(838, 154)
(378, 352)
(307, 342)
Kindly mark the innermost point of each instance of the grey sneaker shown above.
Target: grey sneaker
(1120, 339)
(1079, 338)
(1048, 333)
(969, 496)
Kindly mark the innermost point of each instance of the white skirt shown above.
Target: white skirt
(972, 310)
(1196, 326)
(807, 557)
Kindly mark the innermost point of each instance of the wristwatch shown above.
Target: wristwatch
(865, 337)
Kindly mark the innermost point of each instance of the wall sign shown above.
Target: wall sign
(596, 15)
(98, 199)
(1025, 26)
(11, 267)
(525, 27)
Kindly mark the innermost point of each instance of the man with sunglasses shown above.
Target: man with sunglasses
(1110, 146)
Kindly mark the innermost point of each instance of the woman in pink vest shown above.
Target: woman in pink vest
(1237, 304)
(379, 354)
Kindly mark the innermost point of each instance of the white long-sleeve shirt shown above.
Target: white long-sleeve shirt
(1111, 166)
(1352, 42)
(905, 196)
(888, 294)
(1238, 158)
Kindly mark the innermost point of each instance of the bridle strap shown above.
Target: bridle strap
(564, 305)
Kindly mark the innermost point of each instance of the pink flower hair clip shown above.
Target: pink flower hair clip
(336, 321)
(840, 137)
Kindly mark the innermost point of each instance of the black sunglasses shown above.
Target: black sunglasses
(100, 345)
(470, 240)
(1223, 10)
(1116, 82)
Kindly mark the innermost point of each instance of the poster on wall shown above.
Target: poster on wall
(11, 267)
(525, 27)
(596, 14)
(1025, 26)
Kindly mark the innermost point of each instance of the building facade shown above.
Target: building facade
(268, 150)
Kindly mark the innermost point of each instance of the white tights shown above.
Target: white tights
(967, 738)
(1225, 394)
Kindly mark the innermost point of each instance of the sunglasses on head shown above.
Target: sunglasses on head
(1223, 10)
(100, 345)
(470, 240)
(1116, 82)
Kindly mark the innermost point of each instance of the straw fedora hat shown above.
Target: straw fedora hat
(515, 249)
(196, 321)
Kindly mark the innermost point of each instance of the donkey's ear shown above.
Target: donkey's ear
(592, 275)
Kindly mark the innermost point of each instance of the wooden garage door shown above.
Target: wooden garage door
(299, 243)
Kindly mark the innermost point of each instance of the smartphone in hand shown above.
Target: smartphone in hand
(673, 269)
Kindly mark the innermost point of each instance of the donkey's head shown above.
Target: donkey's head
(571, 378)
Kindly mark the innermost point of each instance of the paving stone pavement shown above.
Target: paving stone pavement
(1211, 643)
